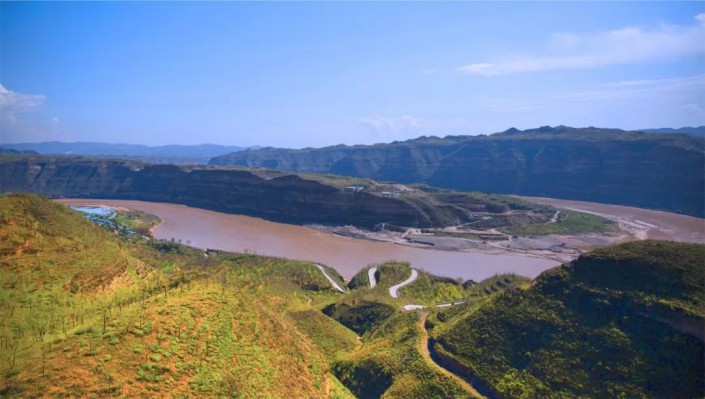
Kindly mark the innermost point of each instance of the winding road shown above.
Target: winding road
(554, 219)
(393, 289)
(371, 277)
(423, 345)
(426, 353)
(332, 282)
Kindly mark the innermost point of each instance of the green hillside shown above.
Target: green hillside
(89, 315)
(427, 289)
(390, 365)
(624, 321)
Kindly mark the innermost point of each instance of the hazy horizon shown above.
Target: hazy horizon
(293, 147)
(317, 74)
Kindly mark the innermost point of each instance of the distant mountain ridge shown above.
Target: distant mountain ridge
(162, 154)
(10, 151)
(693, 131)
(661, 171)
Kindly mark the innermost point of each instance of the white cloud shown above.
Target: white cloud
(697, 109)
(12, 103)
(392, 127)
(15, 122)
(701, 18)
(622, 46)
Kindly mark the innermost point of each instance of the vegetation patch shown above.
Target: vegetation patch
(137, 221)
(389, 364)
(603, 326)
(361, 317)
(430, 290)
(329, 335)
(569, 222)
(137, 318)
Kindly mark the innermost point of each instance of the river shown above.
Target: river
(208, 229)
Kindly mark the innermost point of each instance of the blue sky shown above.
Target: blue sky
(315, 74)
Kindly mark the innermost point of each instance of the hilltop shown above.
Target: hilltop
(624, 321)
(698, 131)
(90, 314)
(660, 171)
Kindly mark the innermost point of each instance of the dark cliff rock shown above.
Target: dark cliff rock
(602, 165)
(287, 198)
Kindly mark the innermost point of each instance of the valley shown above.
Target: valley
(136, 316)
(215, 281)
(352, 200)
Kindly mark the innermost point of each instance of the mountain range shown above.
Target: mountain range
(158, 154)
(693, 131)
(650, 170)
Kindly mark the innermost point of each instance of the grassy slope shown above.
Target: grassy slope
(364, 309)
(569, 222)
(591, 328)
(332, 337)
(429, 290)
(87, 314)
(389, 365)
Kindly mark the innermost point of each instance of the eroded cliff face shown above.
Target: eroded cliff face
(288, 198)
(612, 166)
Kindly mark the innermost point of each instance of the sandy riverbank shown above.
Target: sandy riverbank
(634, 223)
(640, 223)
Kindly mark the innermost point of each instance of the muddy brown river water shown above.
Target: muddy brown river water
(237, 233)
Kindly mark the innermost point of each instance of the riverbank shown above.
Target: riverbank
(639, 223)
(551, 247)
(633, 223)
